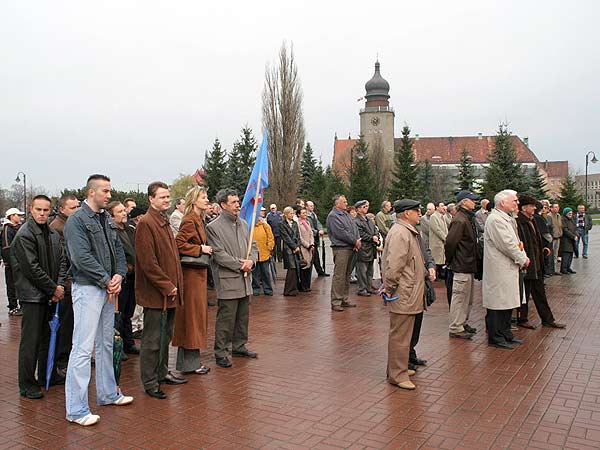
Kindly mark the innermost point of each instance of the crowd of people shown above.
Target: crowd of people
(155, 268)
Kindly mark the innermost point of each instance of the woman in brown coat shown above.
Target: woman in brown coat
(191, 319)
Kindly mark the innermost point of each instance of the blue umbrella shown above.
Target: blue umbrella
(54, 325)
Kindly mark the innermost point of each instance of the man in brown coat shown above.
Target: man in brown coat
(403, 276)
(158, 286)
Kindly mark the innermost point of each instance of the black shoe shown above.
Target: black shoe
(33, 393)
(363, 294)
(502, 345)
(469, 329)
(134, 350)
(418, 361)
(571, 271)
(324, 274)
(558, 273)
(516, 341)
(137, 334)
(172, 379)
(348, 305)
(223, 362)
(337, 308)
(412, 366)
(156, 393)
(244, 354)
(461, 335)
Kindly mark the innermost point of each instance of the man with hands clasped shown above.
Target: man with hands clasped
(97, 268)
(39, 269)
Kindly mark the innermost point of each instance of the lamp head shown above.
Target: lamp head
(18, 179)
(594, 159)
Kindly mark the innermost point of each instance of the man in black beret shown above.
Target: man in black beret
(534, 277)
(403, 288)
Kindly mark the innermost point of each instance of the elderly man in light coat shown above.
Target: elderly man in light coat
(403, 288)
(503, 258)
(438, 230)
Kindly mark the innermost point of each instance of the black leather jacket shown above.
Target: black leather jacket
(36, 271)
(462, 251)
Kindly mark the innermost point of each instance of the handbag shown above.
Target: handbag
(196, 261)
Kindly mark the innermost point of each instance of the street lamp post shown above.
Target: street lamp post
(587, 161)
(18, 180)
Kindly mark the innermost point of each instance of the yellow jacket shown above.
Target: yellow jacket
(264, 240)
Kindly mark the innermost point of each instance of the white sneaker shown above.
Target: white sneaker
(123, 400)
(86, 421)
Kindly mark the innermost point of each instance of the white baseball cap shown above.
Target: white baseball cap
(12, 211)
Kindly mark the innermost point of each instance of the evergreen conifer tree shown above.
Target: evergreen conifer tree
(504, 171)
(308, 169)
(569, 195)
(537, 184)
(215, 165)
(362, 185)
(241, 161)
(466, 172)
(405, 183)
(425, 189)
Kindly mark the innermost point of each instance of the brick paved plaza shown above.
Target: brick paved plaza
(320, 383)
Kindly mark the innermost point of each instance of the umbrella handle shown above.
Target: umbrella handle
(164, 304)
(117, 303)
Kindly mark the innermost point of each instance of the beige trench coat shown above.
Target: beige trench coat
(438, 230)
(404, 269)
(502, 259)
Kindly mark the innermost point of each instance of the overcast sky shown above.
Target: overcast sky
(140, 89)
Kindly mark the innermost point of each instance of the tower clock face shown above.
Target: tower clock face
(375, 121)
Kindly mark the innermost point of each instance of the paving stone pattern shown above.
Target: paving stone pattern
(319, 383)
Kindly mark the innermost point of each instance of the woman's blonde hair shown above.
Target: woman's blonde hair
(287, 209)
(191, 197)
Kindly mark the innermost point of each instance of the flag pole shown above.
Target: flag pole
(253, 222)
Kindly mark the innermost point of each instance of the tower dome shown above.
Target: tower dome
(377, 88)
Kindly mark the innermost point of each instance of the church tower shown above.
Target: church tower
(377, 117)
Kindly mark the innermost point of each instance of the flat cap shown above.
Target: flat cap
(466, 194)
(406, 204)
(137, 211)
(526, 200)
(360, 203)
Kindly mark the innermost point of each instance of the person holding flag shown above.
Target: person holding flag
(234, 255)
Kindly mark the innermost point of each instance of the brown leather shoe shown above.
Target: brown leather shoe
(526, 325)
(337, 308)
(348, 305)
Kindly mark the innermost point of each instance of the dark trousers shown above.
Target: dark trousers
(317, 260)
(566, 258)
(305, 278)
(290, 286)
(261, 273)
(537, 291)
(231, 326)
(127, 307)
(497, 322)
(448, 281)
(64, 339)
(11, 292)
(416, 333)
(33, 349)
(278, 248)
(151, 372)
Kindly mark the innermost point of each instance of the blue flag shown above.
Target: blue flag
(261, 167)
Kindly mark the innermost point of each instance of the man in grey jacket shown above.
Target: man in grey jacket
(97, 268)
(228, 235)
(345, 241)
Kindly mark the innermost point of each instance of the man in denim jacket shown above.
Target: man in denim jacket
(97, 269)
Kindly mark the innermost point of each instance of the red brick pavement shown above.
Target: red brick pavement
(320, 383)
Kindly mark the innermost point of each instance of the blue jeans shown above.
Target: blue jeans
(583, 237)
(93, 326)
